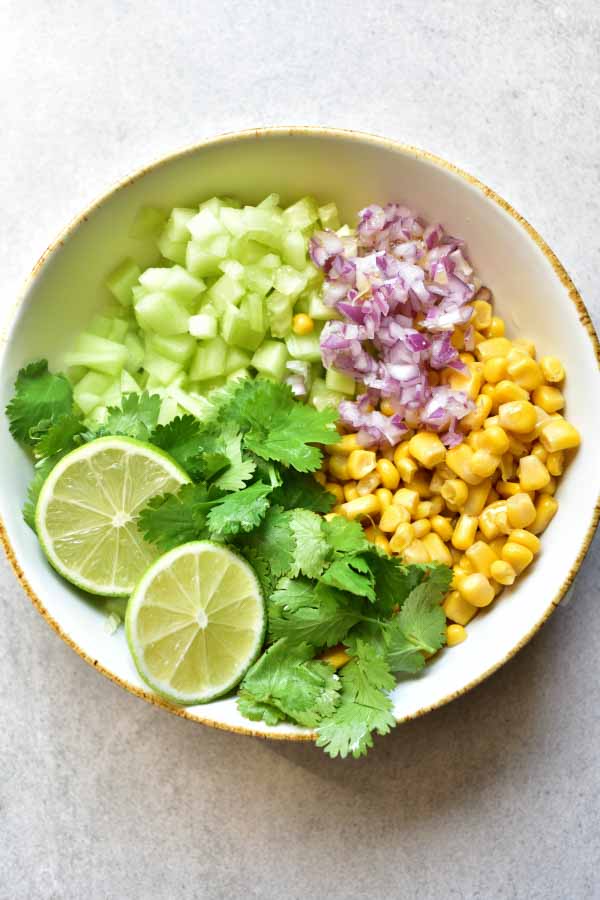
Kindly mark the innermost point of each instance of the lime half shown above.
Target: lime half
(88, 507)
(196, 622)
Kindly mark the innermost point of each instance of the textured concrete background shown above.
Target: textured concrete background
(494, 796)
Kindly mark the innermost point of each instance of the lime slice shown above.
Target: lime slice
(87, 509)
(195, 623)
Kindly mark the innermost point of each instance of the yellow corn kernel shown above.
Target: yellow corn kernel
(549, 398)
(552, 369)
(338, 467)
(516, 447)
(555, 463)
(473, 440)
(403, 537)
(466, 358)
(401, 452)
(477, 497)
(520, 510)
(388, 474)
(507, 392)
(491, 421)
(420, 484)
(361, 507)
(488, 523)
(474, 420)
(496, 346)
(455, 634)
(524, 371)
(455, 493)
(502, 572)
(345, 445)
(545, 510)
(540, 452)
(416, 553)
(494, 369)
(387, 453)
(517, 415)
(392, 517)
(550, 488)
(517, 555)
(457, 609)
(407, 469)
(302, 324)
(331, 515)
(421, 527)
(508, 488)
(533, 474)
(437, 481)
(386, 408)
(320, 478)
(507, 465)
(335, 656)
(481, 556)
(482, 314)
(484, 463)
(464, 532)
(558, 434)
(488, 391)
(459, 460)
(526, 538)
(469, 381)
(427, 449)
(437, 505)
(423, 510)
(361, 463)
(350, 491)
(385, 497)
(496, 328)
(375, 536)
(336, 490)
(476, 589)
(408, 498)
(368, 484)
(497, 544)
(456, 554)
(442, 527)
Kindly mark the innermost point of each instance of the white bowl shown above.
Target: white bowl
(532, 292)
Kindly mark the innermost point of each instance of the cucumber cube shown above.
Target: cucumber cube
(302, 214)
(118, 330)
(247, 251)
(161, 370)
(178, 348)
(342, 384)
(233, 268)
(173, 250)
(169, 410)
(128, 384)
(175, 280)
(293, 249)
(270, 261)
(279, 311)
(161, 313)
(148, 223)
(258, 279)
(209, 360)
(135, 352)
(289, 281)
(203, 326)
(329, 216)
(200, 261)
(270, 359)
(233, 220)
(88, 392)
(98, 354)
(76, 373)
(100, 325)
(305, 347)
(237, 331)
(204, 226)
(121, 281)
(176, 228)
(236, 360)
(195, 406)
(270, 202)
(321, 397)
(239, 375)
(319, 311)
(225, 291)
(253, 306)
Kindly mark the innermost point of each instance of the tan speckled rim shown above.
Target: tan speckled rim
(359, 137)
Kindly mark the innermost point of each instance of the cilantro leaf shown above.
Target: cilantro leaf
(257, 711)
(136, 417)
(301, 611)
(312, 549)
(173, 519)
(180, 438)
(287, 678)
(351, 573)
(273, 540)
(420, 626)
(42, 470)
(365, 706)
(299, 490)
(288, 438)
(240, 467)
(345, 536)
(39, 397)
(240, 511)
(60, 436)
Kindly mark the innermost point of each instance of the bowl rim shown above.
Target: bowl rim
(358, 137)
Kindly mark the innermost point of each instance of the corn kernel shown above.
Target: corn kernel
(545, 510)
(540, 452)
(416, 553)
(464, 532)
(496, 328)
(388, 474)
(517, 555)
(558, 434)
(477, 498)
(526, 538)
(524, 371)
(533, 474)
(338, 467)
(427, 449)
(437, 481)
(459, 460)
(455, 634)
(475, 419)
(408, 498)
(320, 478)
(407, 469)
(361, 507)
(506, 392)
(555, 463)
(494, 369)
(420, 484)
(442, 527)
(517, 415)
(336, 490)
(455, 493)
(335, 656)
(368, 484)
(350, 491)
(423, 510)
(488, 523)
(392, 517)
(496, 346)
(476, 589)
(552, 369)
(386, 408)
(331, 515)
(491, 421)
(482, 314)
(361, 463)
(516, 447)
(469, 381)
(375, 536)
(457, 609)
(484, 463)
(508, 488)
(497, 544)
(302, 324)
(437, 505)
(481, 556)
(502, 572)
(385, 497)
(421, 528)
(550, 488)
(520, 510)
(345, 445)
(549, 398)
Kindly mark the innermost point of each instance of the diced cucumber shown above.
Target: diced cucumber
(209, 360)
(258, 279)
(98, 354)
(128, 384)
(155, 278)
(178, 348)
(305, 347)
(342, 384)
(225, 291)
(271, 201)
(253, 307)
(138, 291)
(246, 251)
(162, 313)
(113, 396)
(319, 310)
(233, 268)
(100, 326)
(236, 359)
(264, 226)
(203, 326)
(88, 392)
(329, 216)
(302, 214)
(161, 369)
(122, 279)
(239, 375)
(203, 261)
(173, 250)
(214, 204)
(279, 311)
(203, 388)
(205, 226)
(293, 248)
(270, 261)
(237, 331)
(195, 406)
(76, 373)
(135, 352)
(97, 416)
(175, 280)
(344, 231)
(176, 228)
(233, 220)
(289, 281)
(321, 397)
(148, 223)
(169, 410)
(270, 359)
(118, 330)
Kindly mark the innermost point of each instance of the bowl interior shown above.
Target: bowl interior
(354, 171)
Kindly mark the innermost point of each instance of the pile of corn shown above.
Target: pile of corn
(478, 507)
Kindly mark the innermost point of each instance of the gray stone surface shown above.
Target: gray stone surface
(494, 796)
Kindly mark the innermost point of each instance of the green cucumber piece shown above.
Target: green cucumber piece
(176, 228)
(203, 326)
(161, 313)
(289, 281)
(236, 360)
(97, 353)
(302, 214)
(271, 201)
(128, 384)
(205, 226)
(258, 279)
(321, 397)
(169, 410)
(270, 359)
(233, 268)
(279, 313)
(175, 280)
(329, 216)
(342, 384)
(239, 375)
(246, 251)
(319, 311)
(100, 326)
(135, 352)
(293, 249)
(178, 348)
(173, 250)
(225, 291)
(237, 331)
(118, 330)
(253, 307)
(122, 279)
(89, 391)
(233, 220)
(305, 347)
(161, 370)
(209, 360)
